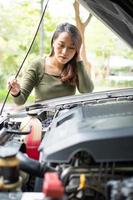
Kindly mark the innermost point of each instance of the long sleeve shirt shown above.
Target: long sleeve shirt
(49, 86)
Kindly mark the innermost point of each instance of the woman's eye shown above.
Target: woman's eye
(72, 48)
(60, 45)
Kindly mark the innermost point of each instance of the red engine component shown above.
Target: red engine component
(33, 140)
(32, 144)
(52, 186)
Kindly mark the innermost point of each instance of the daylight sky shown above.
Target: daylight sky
(56, 7)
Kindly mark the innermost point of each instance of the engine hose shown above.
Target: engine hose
(32, 166)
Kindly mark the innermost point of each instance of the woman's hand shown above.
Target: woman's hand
(14, 87)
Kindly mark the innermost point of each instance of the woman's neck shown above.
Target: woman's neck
(54, 63)
(52, 66)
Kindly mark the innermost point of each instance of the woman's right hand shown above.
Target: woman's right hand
(14, 87)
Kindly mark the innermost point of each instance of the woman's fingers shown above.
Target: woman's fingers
(14, 86)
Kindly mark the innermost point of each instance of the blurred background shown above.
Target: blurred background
(108, 60)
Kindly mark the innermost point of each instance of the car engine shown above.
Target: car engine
(82, 151)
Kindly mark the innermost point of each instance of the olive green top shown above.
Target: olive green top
(49, 86)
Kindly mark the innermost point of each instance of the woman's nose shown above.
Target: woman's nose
(64, 50)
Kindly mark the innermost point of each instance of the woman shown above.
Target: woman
(58, 74)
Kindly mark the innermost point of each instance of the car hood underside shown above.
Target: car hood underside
(118, 15)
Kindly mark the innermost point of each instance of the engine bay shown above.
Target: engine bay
(80, 148)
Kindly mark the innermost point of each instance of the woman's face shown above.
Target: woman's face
(64, 49)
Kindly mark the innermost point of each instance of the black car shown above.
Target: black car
(84, 148)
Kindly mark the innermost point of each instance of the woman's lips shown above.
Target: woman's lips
(63, 57)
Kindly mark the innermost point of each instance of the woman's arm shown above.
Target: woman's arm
(29, 81)
(84, 83)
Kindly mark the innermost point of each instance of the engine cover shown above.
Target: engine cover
(105, 131)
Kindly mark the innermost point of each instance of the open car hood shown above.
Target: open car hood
(117, 14)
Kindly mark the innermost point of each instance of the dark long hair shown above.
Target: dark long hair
(69, 73)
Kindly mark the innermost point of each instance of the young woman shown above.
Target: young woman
(57, 75)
